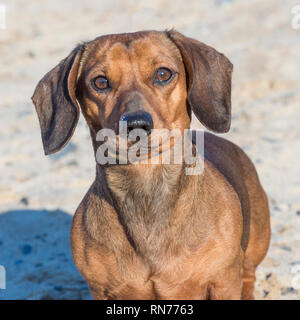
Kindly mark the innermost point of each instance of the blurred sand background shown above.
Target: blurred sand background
(39, 194)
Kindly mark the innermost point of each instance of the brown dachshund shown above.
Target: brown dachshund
(147, 231)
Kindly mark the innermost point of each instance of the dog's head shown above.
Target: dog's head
(150, 79)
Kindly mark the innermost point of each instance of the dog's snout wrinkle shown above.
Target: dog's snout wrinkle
(134, 105)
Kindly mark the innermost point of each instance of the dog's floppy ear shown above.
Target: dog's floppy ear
(209, 82)
(55, 102)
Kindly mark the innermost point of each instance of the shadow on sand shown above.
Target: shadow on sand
(35, 252)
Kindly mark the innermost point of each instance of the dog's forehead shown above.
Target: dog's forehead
(139, 45)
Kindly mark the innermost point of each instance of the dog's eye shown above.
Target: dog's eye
(100, 83)
(163, 76)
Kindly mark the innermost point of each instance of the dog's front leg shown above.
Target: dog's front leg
(228, 286)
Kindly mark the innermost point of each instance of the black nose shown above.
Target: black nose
(138, 120)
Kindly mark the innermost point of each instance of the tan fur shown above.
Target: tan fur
(150, 231)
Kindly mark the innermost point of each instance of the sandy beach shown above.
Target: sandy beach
(39, 194)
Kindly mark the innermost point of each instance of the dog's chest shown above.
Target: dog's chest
(148, 249)
(145, 203)
(127, 275)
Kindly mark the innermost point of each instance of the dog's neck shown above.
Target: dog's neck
(144, 197)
